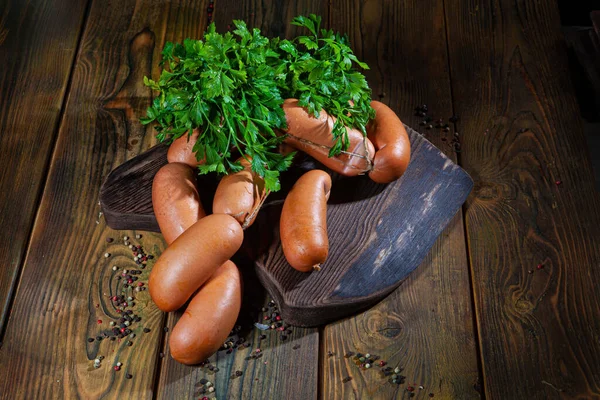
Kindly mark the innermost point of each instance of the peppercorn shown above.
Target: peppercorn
(91, 339)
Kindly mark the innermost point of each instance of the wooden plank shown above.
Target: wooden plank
(425, 326)
(38, 41)
(288, 368)
(534, 201)
(61, 294)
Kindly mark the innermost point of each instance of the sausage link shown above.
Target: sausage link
(175, 200)
(313, 136)
(181, 150)
(192, 258)
(303, 224)
(391, 142)
(239, 194)
(209, 318)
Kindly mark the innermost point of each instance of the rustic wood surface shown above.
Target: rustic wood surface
(521, 134)
(498, 64)
(61, 294)
(38, 42)
(404, 43)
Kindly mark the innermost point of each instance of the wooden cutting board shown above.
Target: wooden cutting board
(378, 234)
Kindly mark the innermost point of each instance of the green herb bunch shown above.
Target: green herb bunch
(232, 86)
(321, 76)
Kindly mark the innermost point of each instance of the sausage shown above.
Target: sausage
(209, 318)
(175, 200)
(239, 194)
(303, 224)
(313, 136)
(192, 258)
(391, 142)
(181, 150)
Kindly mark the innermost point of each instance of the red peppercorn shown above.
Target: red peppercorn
(265, 318)
(99, 321)
(140, 284)
(410, 389)
(130, 281)
(540, 266)
(123, 330)
(558, 183)
(116, 368)
(115, 298)
(278, 318)
(381, 363)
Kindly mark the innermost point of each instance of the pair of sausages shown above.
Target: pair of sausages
(384, 154)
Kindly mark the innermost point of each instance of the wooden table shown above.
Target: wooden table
(477, 319)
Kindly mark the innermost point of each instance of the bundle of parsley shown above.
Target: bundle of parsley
(232, 86)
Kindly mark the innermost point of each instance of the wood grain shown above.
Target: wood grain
(277, 374)
(65, 275)
(425, 326)
(38, 42)
(522, 134)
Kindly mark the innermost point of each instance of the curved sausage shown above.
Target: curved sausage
(209, 318)
(192, 258)
(181, 150)
(239, 194)
(303, 224)
(175, 200)
(391, 141)
(313, 136)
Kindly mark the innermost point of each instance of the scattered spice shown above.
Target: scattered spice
(540, 266)
(347, 379)
(128, 376)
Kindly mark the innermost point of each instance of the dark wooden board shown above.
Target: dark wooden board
(370, 255)
(276, 374)
(426, 325)
(521, 133)
(38, 42)
(61, 293)
(398, 224)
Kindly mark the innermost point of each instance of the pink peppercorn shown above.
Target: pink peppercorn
(99, 321)
(540, 266)
(116, 368)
